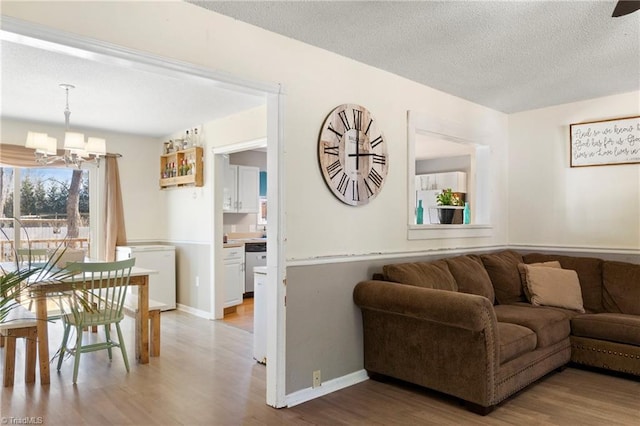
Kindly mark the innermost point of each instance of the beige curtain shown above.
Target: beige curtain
(19, 156)
(115, 233)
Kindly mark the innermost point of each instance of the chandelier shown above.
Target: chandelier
(76, 150)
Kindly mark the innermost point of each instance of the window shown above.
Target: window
(51, 205)
(436, 146)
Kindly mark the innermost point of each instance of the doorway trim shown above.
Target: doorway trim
(27, 33)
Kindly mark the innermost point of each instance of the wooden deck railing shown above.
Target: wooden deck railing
(7, 248)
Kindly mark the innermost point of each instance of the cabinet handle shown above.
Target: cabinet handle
(240, 205)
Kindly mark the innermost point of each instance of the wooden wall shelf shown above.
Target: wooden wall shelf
(182, 168)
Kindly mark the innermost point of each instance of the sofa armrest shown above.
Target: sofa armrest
(443, 340)
(462, 310)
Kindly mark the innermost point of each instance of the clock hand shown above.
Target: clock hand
(357, 149)
(359, 154)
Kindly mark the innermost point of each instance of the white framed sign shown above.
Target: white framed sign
(606, 142)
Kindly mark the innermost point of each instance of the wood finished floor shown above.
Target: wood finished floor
(242, 317)
(206, 376)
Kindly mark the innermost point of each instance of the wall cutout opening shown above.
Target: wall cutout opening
(445, 155)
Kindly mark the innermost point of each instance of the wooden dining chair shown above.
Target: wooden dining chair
(29, 256)
(38, 256)
(99, 294)
(32, 255)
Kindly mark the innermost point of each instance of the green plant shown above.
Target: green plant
(16, 278)
(448, 198)
(12, 285)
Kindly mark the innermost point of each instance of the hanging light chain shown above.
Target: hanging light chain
(67, 111)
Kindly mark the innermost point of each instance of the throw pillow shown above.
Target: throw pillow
(621, 287)
(590, 274)
(471, 276)
(523, 276)
(553, 287)
(422, 274)
(502, 268)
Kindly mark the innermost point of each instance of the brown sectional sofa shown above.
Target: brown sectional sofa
(464, 326)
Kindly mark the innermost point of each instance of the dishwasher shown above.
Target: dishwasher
(255, 254)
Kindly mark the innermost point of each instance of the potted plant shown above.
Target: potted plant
(15, 277)
(447, 198)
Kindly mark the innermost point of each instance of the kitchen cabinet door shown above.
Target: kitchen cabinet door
(234, 284)
(457, 181)
(248, 189)
(230, 196)
(241, 189)
(233, 276)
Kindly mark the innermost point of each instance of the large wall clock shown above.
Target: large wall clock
(353, 154)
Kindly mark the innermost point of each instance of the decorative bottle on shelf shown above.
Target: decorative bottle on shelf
(187, 141)
(419, 213)
(196, 137)
(466, 214)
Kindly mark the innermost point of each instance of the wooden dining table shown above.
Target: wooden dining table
(42, 290)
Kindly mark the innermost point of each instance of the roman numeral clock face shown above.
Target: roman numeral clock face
(352, 154)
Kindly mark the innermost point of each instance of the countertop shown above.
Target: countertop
(240, 239)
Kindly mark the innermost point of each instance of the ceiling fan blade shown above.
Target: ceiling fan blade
(625, 7)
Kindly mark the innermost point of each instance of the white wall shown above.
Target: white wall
(552, 204)
(139, 174)
(314, 81)
(190, 215)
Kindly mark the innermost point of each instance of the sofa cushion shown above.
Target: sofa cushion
(552, 286)
(515, 340)
(620, 328)
(550, 325)
(523, 276)
(621, 292)
(471, 276)
(422, 274)
(589, 273)
(505, 277)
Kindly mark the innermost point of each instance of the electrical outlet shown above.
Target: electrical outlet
(317, 381)
(197, 281)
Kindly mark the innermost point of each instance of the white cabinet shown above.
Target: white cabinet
(457, 181)
(229, 201)
(241, 189)
(233, 276)
(160, 258)
(260, 314)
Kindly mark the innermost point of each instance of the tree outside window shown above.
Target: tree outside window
(53, 205)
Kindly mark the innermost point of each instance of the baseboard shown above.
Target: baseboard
(194, 311)
(326, 388)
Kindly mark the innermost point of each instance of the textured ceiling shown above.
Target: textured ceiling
(507, 55)
(510, 56)
(109, 97)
